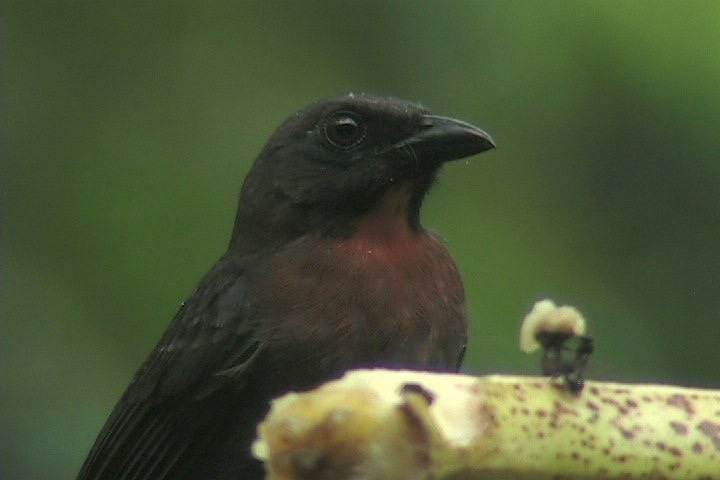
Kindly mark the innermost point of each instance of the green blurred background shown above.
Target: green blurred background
(128, 128)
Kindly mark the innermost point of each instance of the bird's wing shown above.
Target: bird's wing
(171, 408)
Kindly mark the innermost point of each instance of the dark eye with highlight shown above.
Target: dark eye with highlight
(344, 130)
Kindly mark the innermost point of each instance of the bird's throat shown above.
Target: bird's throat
(385, 235)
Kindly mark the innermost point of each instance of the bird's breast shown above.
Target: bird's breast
(366, 300)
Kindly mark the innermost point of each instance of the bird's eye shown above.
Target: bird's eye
(344, 130)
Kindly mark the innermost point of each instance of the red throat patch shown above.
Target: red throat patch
(390, 294)
(384, 236)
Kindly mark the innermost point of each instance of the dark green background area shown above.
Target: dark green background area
(128, 128)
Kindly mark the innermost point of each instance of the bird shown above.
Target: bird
(328, 269)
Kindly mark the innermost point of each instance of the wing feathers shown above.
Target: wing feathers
(170, 410)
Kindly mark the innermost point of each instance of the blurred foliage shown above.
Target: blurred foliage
(128, 127)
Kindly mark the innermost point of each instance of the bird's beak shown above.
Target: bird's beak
(446, 139)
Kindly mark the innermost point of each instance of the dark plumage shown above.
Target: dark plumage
(328, 268)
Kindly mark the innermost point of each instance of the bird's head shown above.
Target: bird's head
(338, 160)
